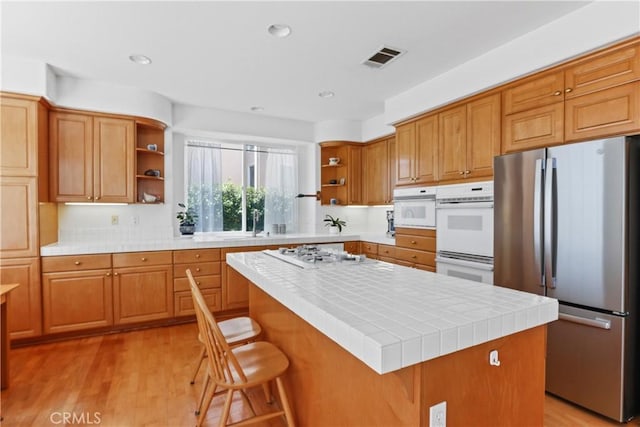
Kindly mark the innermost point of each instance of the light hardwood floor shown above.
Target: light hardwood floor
(141, 378)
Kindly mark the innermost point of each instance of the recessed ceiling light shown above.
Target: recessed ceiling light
(279, 30)
(257, 108)
(326, 94)
(140, 59)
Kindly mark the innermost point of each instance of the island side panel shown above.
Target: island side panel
(327, 385)
(479, 394)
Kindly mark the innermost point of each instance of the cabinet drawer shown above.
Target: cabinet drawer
(140, 259)
(369, 248)
(183, 301)
(386, 251)
(197, 269)
(75, 262)
(416, 242)
(204, 282)
(196, 255)
(417, 257)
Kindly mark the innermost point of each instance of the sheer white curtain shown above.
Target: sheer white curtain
(203, 170)
(281, 188)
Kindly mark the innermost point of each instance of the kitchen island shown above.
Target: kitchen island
(372, 343)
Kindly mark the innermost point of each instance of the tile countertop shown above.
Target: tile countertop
(389, 316)
(192, 242)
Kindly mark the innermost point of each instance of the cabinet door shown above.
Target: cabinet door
(25, 310)
(608, 112)
(18, 222)
(535, 92)
(535, 128)
(235, 289)
(114, 160)
(71, 157)
(405, 153)
(603, 71)
(452, 151)
(375, 171)
(19, 136)
(354, 180)
(142, 293)
(483, 135)
(426, 150)
(391, 150)
(77, 300)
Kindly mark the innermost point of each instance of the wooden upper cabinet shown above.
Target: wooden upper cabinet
(604, 113)
(91, 158)
(416, 152)
(543, 89)
(483, 135)
(376, 173)
(602, 71)
(19, 136)
(114, 160)
(405, 153)
(71, 157)
(593, 97)
(354, 175)
(453, 143)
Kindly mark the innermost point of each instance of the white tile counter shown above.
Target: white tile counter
(390, 316)
(191, 242)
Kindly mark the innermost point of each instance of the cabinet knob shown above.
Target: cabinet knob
(108, 274)
(198, 269)
(77, 263)
(198, 283)
(568, 90)
(413, 242)
(88, 197)
(115, 274)
(467, 172)
(197, 255)
(461, 172)
(143, 259)
(557, 93)
(96, 198)
(414, 256)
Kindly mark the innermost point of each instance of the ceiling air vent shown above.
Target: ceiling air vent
(383, 56)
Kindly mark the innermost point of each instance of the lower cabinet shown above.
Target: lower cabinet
(205, 267)
(235, 289)
(77, 293)
(414, 248)
(25, 310)
(142, 287)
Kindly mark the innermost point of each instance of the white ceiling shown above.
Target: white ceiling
(219, 54)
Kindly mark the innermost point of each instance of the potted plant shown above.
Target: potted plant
(187, 219)
(335, 224)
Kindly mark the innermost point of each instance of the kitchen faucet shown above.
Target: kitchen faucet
(256, 216)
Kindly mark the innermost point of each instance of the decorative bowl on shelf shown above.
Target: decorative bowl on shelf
(152, 172)
(333, 181)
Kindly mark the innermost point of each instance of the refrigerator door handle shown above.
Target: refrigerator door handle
(537, 220)
(549, 210)
(596, 323)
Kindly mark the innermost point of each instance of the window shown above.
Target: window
(225, 183)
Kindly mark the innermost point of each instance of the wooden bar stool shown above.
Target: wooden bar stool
(239, 368)
(237, 331)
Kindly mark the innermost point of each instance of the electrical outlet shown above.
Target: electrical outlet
(114, 219)
(438, 415)
(135, 220)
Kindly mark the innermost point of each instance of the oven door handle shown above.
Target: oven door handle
(464, 205)
(463, 263)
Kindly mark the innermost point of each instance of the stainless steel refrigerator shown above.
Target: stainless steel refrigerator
(566, 226)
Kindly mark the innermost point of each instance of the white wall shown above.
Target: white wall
(595, 25)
